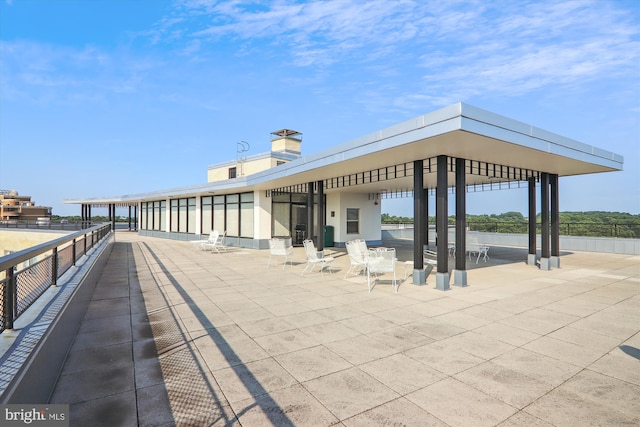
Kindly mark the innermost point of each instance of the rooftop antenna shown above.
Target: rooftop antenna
(241, 147)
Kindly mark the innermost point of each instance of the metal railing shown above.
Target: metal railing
(42, 225)
(25, 275)
(586, 229)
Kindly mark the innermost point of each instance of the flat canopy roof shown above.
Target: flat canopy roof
(460, 131)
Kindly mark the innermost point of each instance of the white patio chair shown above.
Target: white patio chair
(474, 247)
(280, 248)
(429, 262)
(430, 257)
(362, 246)
(217, 245)
(313, 258)
(213, 236)
(357, 258)
(382, 260)
(452, 249)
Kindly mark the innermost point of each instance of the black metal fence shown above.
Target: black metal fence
(587, 229)
(42, 225)
(27, 274)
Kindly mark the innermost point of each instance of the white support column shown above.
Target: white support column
(167, 216)
(261, 215)
(198, 227)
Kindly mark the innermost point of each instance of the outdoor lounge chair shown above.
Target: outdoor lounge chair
(474, 247)
(213, 236)
(279, 247)
(313, 258)
(429, 262)
(364, 250)
(217, 245)
(357, 258)
(382, 260)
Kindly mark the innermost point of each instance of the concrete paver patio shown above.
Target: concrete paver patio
(175, 336)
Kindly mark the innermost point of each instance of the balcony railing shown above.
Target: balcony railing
(25, 275)
(585, 229)
(42, 225)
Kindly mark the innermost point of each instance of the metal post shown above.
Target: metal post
(73, 251)
(310, 195)
(531, 257)
(129, 217)
(544, 234)
(54, 267)
(442, 225)
(460, 274)
(555, 221)
(419, 274)
(425, 211)
(9, 298)
(321, 219)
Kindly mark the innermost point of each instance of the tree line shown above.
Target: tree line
(592, 223)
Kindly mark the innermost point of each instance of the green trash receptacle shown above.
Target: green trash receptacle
(328, 236)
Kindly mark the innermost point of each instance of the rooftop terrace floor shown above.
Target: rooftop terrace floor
(175, 336)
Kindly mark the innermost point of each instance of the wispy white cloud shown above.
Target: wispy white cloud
(46, 73)
(383, 54)
(461, 48)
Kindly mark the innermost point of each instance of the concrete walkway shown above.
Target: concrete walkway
(175, 336)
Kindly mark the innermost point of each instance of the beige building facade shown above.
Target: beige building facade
(285, 147)
(14, 207)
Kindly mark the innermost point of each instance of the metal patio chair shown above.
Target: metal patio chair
(382, 260)
(197, 244)
(314, 258)
(429, 262)
(357, 258)
(217, 245)
(279, 247)
(474, 247)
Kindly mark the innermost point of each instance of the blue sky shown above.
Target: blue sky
(113, 97)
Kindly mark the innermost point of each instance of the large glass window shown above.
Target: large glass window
(206, 209)
(353, 220)
(157, 223)
(246, 214)
(143, 215)
(191, 215)
(233, 215)
(218, 213)
(153, 215)
(174, 216)
(183, 215)
(163, 215)
(289, 216)
(281, 219)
